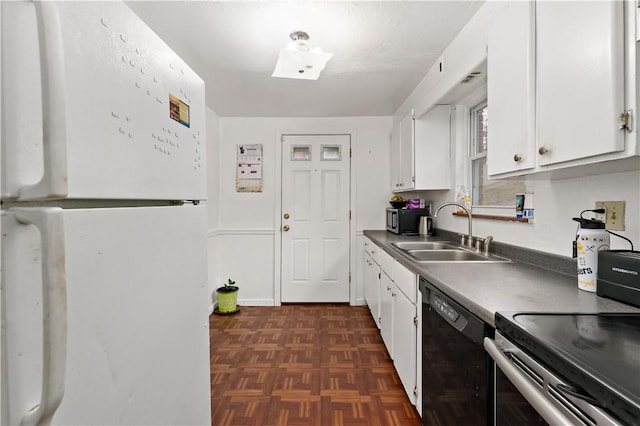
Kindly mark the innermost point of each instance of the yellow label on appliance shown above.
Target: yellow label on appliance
(178, 110)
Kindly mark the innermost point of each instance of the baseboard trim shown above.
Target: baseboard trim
(256, 302)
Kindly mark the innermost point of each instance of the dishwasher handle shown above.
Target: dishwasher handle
(538, 401)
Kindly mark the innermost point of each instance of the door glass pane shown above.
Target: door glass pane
(331, 153)
(301, 153)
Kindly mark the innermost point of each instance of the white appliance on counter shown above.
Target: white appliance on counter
(104, 276)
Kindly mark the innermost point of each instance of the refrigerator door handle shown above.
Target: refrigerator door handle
(54, 179)
(49, 222)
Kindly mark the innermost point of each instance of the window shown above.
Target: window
(486, 193)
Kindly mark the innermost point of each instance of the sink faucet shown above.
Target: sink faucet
(469, 237)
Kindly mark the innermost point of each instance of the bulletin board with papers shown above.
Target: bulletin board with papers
(249, 171)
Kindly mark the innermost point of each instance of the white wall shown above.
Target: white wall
(243, 244)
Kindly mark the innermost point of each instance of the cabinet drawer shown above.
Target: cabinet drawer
(386, 262)
(368, 245)
(406, 281)
(373, 250)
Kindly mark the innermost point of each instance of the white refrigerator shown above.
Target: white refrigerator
(104, 297)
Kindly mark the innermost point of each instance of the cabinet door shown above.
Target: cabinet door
(511, 87)
(406, 151)
(395, 158)
(372, 287)
(580, 77)
(366, 257)
(432, 147)
(386, 312)
(404, 342)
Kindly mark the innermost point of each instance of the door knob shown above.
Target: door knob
(285, 228)
(286, 216)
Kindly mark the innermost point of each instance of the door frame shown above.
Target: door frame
(277, 257)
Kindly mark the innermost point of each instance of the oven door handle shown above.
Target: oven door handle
(577, 394)
(538, 401)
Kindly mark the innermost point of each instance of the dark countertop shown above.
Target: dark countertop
(486, 288)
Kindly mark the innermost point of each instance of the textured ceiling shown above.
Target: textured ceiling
(381, 51)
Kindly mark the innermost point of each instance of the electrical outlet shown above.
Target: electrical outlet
(602, 217)
(614, 214)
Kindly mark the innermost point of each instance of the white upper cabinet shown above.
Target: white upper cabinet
(433, 149)
(580, 79)
(420, 151)
(407, 152)
(511, 87)
(395, 158)
(556, 85)
(402, 151)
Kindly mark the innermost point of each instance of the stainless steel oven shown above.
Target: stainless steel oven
(572, 369)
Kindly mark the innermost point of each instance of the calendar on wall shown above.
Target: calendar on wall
(249, 170)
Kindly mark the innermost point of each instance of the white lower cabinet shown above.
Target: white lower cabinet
(386, 311)
(404, 342)
(396, 303)
(372, 287)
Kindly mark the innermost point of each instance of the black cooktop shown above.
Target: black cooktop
(597, 353)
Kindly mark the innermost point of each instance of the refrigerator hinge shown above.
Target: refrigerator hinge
(625, 120)
(415, 321)
(415, 391)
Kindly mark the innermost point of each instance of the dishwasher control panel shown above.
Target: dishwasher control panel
(445, 309)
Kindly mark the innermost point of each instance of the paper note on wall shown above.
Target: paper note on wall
(249, 170)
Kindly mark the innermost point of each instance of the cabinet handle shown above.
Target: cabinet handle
(517, 157)
(542, 150)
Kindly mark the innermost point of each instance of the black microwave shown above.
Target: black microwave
(405, 221)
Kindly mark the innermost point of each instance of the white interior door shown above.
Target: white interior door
(315, 218)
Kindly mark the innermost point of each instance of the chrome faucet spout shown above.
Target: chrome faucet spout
(470, 235)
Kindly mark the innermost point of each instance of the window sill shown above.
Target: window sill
(495, 217)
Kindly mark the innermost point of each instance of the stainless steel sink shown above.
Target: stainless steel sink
(424, 245)
(457, 255)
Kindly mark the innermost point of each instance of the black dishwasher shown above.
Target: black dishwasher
(457, 373)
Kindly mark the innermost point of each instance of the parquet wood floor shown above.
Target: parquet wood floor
(301, 365)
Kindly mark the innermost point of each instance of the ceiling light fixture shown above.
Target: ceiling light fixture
(300, 59)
